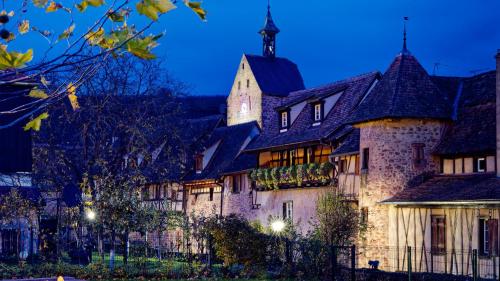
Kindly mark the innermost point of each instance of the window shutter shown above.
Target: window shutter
(493, 237)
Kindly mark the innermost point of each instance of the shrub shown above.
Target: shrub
(237, 242)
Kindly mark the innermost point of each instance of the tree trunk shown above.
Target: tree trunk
(100, 242)
(126, 248)
(112, 251)
(159, 243)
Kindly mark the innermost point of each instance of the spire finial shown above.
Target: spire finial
(405, 19)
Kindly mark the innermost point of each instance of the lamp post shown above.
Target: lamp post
(278, 226)
(90, 215)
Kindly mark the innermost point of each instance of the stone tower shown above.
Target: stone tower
(262, 80)
(400, 121)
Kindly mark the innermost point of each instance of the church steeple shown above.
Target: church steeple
(268, 33)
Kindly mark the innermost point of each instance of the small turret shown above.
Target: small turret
(268, 33)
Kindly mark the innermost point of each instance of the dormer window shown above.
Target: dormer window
(284, 121)
(198, 163)
(481, 164)
(317, 113)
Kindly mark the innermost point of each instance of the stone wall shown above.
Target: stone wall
(244, 104)
(390, 168)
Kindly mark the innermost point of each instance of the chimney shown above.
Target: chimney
(498, 111)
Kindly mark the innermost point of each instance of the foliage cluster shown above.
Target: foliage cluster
(272, 178)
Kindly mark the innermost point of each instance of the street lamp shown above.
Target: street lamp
(90, 214)
(278, 226)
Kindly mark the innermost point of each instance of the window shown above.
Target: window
(310, 155)
(343, 166)
(481, 164)
(198, 163)
(364, 215)
(288, 210)
(205, 189)
(242, 66)
(488, 237)
(418, 155)
(284, 120)
(237, 183)
(321, 154)
(356, 165)
(248, 83)
(366, 158)
(318, 112)
(438, 235)
(239, 85)
(284, 158)
(211, 197)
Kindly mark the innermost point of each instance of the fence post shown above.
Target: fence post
(353, 263)
(409, 263)
(474, 265)
(334, 262)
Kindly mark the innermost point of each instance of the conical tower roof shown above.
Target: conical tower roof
(405, 91)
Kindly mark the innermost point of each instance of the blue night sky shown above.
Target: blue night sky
(329, 40)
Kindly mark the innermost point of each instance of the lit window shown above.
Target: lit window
(284, 119)
(318, 112)
(481, 164)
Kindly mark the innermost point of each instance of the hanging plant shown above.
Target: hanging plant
(324, 171)
(261, 177)
(254, 175)
(268, 178)
(300, 172)
(312, 171)
(292, 172)
(275, 177)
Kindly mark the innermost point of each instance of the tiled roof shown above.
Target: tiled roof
(474, 131)
(301, 130)
(231, 140)
(349, 145)
(405, 91)
(453, 188)
(275, 76)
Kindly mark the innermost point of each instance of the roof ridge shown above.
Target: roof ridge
(338, 82)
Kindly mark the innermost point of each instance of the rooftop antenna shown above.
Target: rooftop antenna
(405, 50)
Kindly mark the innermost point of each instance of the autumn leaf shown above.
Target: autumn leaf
(141, 47)
(38, 94)
(151, 8)
(73, 99)
(36, 123)
(40, 3)
(14, 59)
(53, 6)
(82, 6)
(67, 33)
(23, 27)
(95, 3)
(196, 7)
(118, 16)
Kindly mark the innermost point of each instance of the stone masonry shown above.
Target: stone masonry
(390, 169)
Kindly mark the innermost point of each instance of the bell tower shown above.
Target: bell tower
(268, 33)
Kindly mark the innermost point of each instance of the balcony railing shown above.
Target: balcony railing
(304, 175)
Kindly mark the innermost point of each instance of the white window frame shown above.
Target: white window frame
(479, 166)
(284, 119)
(288, 215)
(317, 112)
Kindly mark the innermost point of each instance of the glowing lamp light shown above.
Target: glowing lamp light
(278, 226)
(90, 215)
